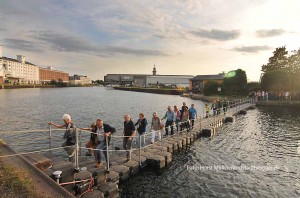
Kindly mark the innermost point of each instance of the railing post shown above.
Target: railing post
(200, 124)
(162, 140)
(50, 137)
(177, 128)
(112, 142)
(140, 150)
(107, 155)
(76, 151)
(80, 142)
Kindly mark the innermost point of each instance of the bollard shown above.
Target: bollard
(107, 154)
(57, 175)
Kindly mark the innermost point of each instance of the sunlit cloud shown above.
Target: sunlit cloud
(269, 33)
(219, 35)
(252, 49)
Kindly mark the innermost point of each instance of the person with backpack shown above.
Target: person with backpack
(69, 136)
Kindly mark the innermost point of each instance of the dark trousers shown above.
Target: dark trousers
(185, 125)
(127, 146)
(169, 123)
(193, 122)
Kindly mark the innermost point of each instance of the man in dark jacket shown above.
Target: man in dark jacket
(142, 124)
(102, 138)
(129, 133)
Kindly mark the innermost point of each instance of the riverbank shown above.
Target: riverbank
(19, 178)
(210, 98)
(39, 86)
(152, 90)
(279, 103)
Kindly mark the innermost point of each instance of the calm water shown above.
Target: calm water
(34, 108)
(264, 138)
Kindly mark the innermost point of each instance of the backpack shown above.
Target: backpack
(70, 134)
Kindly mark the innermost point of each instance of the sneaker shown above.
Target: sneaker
(99, 165)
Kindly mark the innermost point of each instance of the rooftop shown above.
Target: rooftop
(209, 77)
(15, 60)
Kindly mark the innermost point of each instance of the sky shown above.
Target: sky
(186, 37)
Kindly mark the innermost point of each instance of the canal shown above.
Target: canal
(256, 156)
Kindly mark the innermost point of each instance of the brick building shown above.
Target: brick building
(48, 74)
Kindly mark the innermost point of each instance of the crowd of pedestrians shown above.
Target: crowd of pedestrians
(274, 95)
(101, 132)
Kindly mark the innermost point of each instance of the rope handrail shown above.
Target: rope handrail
(31, 152)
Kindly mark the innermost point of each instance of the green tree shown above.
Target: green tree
(99, 82)
(294, 70)
(277, 80)
(279, 60)
(211, 88)
(253, 86)
(235, 82)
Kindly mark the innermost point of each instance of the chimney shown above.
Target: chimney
(21, 58)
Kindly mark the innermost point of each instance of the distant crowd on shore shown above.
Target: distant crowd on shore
(274, 95)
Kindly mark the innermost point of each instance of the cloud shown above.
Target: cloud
(137, 52)
(252, 49)
(63, 42)
(269, 33)
(22, 45)
(71, 43)
(219, 35)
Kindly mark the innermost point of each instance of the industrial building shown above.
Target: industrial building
(148, 80)
(79, 80)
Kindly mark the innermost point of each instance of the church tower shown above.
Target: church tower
(154, 71)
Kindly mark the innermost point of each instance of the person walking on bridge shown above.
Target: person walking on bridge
(129, 133)
(102, 138)
(91, 143)
(170, 120)
(142, 122)
(193, 114)
(155, 126)
(69, 136)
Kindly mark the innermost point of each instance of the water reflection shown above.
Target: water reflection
(264, 143)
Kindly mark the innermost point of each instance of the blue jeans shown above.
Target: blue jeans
(142, 136)
(101, 145)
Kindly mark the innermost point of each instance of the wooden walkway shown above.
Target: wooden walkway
(157, 155)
